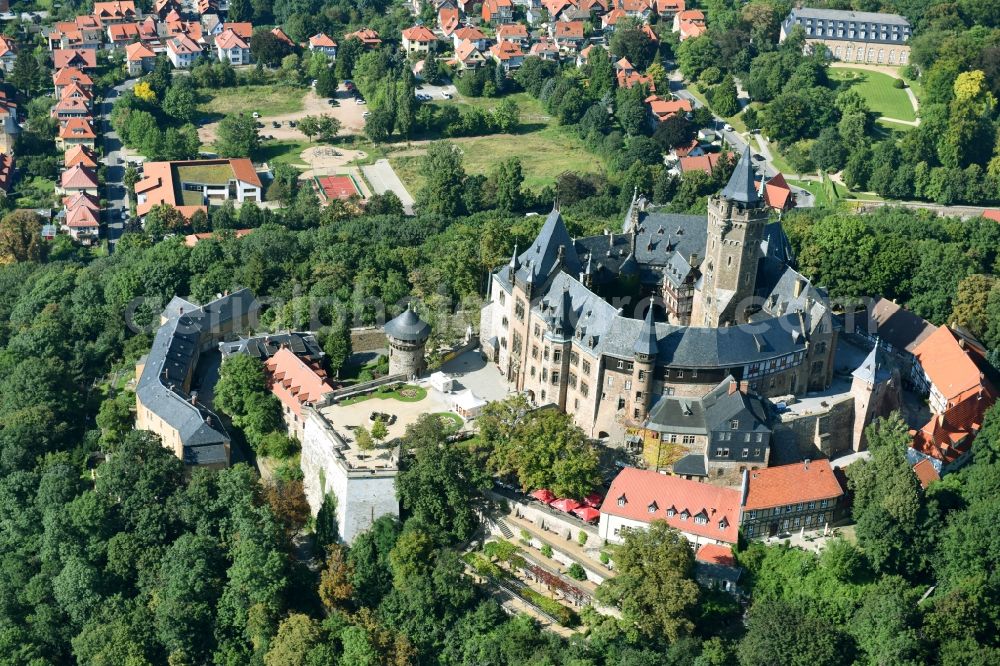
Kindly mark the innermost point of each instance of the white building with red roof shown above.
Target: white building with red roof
(508, 55)
(232, 48)
(689, 23)
(703, 513)
(77, 179)
(8, 53)
(324, 44)
(182, 51)
(418, 39)
(472, 34)
(139, 58)
(296, 384)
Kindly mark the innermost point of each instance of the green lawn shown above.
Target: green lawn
(877, 89)
(267, 100)
(281, 152)
(545, 148)
(205, 174)
(405, 393)
(452, 422)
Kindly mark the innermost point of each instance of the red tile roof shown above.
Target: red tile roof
(228, 39)
(992, 214)
(79, 58)
(6, 171)
(652, 496)
(926, 473)
(81, 216)
(138, 51)
(81, 200)
(243, 28)
(68, 75)
(6, 46)
(714, 553)
(78, 178)
(294, 382)
(367, 36)
(700, 163)
(506, 50)
(77, 128)
(282, 36)
(948, 435)
(322, 40)
(791, 484)
(569, 30)
(512, 31)
(469, 32)
(448, 20)
(948, 365)
(123, 31)
(193, 239)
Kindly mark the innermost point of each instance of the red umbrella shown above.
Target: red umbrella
(587, 514)
(593, 500)
(565, 504)
(544, 496)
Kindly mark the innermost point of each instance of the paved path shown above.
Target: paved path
(383, 179)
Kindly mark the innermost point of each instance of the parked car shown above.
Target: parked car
(292, 123)
(758, 158)
(366, 114)
(256, 115)
(275, 124)
(727, 127)
(360, 100)
(446, 95)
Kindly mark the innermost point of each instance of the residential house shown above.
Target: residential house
(285, 39)
(945, 369)
(702, 513)
(513, 32)
(777, 194)
(594, 7)
(705, 163)
(803, 496)
(689, 23)
(78, 179)
(182, 51)
(81, 155)
(149, 34)
(139, 59)
(611, 19)
(418, 40)
(556, 7)
(324, 44)
(243, 29)
(693, 149)
(8, 53)
(715, 437)
(667, 9)
(164, 7)
(898, 331)
(636, 9)
(71, 107)
(191, 185)
(568, 35)
(9, 127)
(508, 55)
(468, 33)
(448, 20)
(498, 11)
(297, 384)
(660, 109)
(850, 36)
(81, 59)
(583, 55)
(76, 132)
(368, 37)
(68, 76)
(468, 56)
(82, 222)
(74, 91)
(121, 35)
(231, 48)
(118, 11)
(545, 49)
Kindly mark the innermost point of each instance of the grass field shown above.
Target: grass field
(545, 148)
(267, 100)
(211, 174)
(281, 152)
(877, 89)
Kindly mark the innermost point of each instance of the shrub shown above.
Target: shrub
(898, 83)
(563, 615)
(547, 550)
(605, 558)
(525, 536)
(581, 537)
(576, 571)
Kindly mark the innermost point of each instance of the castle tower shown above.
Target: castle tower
(645, 350)
(736, 220)
(876, 392)
(407, 335)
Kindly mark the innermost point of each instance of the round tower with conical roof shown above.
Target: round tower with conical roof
(407, 335)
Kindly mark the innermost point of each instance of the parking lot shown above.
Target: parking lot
(434, 92)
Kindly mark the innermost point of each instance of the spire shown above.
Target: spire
(646, 342)
(562, 313)
(870, 371)
(741, 184)
(514, 262)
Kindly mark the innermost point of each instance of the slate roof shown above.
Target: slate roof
(175, 349)
(266, 346)
(709, 413)
(408, 327)
(741, 186)
(540, 258)
(872, 370)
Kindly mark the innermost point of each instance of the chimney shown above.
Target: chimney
(733, 387)
(798, 288)
(692, 258)
(806, 463)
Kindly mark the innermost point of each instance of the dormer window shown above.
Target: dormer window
(622, 501)
(734, 424)
(685, 515)
(723, 524)
(701, 519)
(652, 507)
(671, 512)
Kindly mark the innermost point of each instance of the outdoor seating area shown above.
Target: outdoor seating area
(587, 510)
(396, 408)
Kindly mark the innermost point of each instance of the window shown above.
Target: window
(694, 374)
(746, 437)
(572, 379)
(812, 505)
(722, 452)
(584, 389)
(822, 504)
(519, 310)
(576, 403)
(746, 453)
(700, 519)
(734, 424)
(557, 355)
(685, 515)
(760, 437)
(534, 352)
(628, 384)
(586, 367)
(635, 413)
(680, 374)
(545, 374)
(642, 375)
(673, 439)
(545, 353)
(555, 376)
(687, 439)
(652, 507)
(611, 380)
(574, 358)
(756, 453)
(621, 364)
(503, 297)
(622, 501)
(753, 514)
(621, 403)
(538, 331)
(638, 395)
(532, 371)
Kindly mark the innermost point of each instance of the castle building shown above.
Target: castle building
(850, 36)
(603, 326)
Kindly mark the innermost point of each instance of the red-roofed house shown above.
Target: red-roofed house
(8, 53)
(668, 8)
(81, 59)
(232, 48)
(296, 383)
(71, 107)
(122, 34)
(513, 32)
(468, 56)
(545, 49)
(82, 223)
(418, 39)
(324, 44)
(79, 155)
(715, 568)
(70, 75)
(626, 80)
(508, 55)
(189, 185)
(78, 179)
(992, 214)
(244, 29)
(790, 498)
(182, 51)
(568, 35)
(368, 37)
(704, 163)
(283, 37)
(471, 34)
(660, 109)
(139, 58)
(777, 194)
(118, 11)
(689, 23)
(448, 20)
(703, 513)
(498, 11)
(76, 132)
(945, 370)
